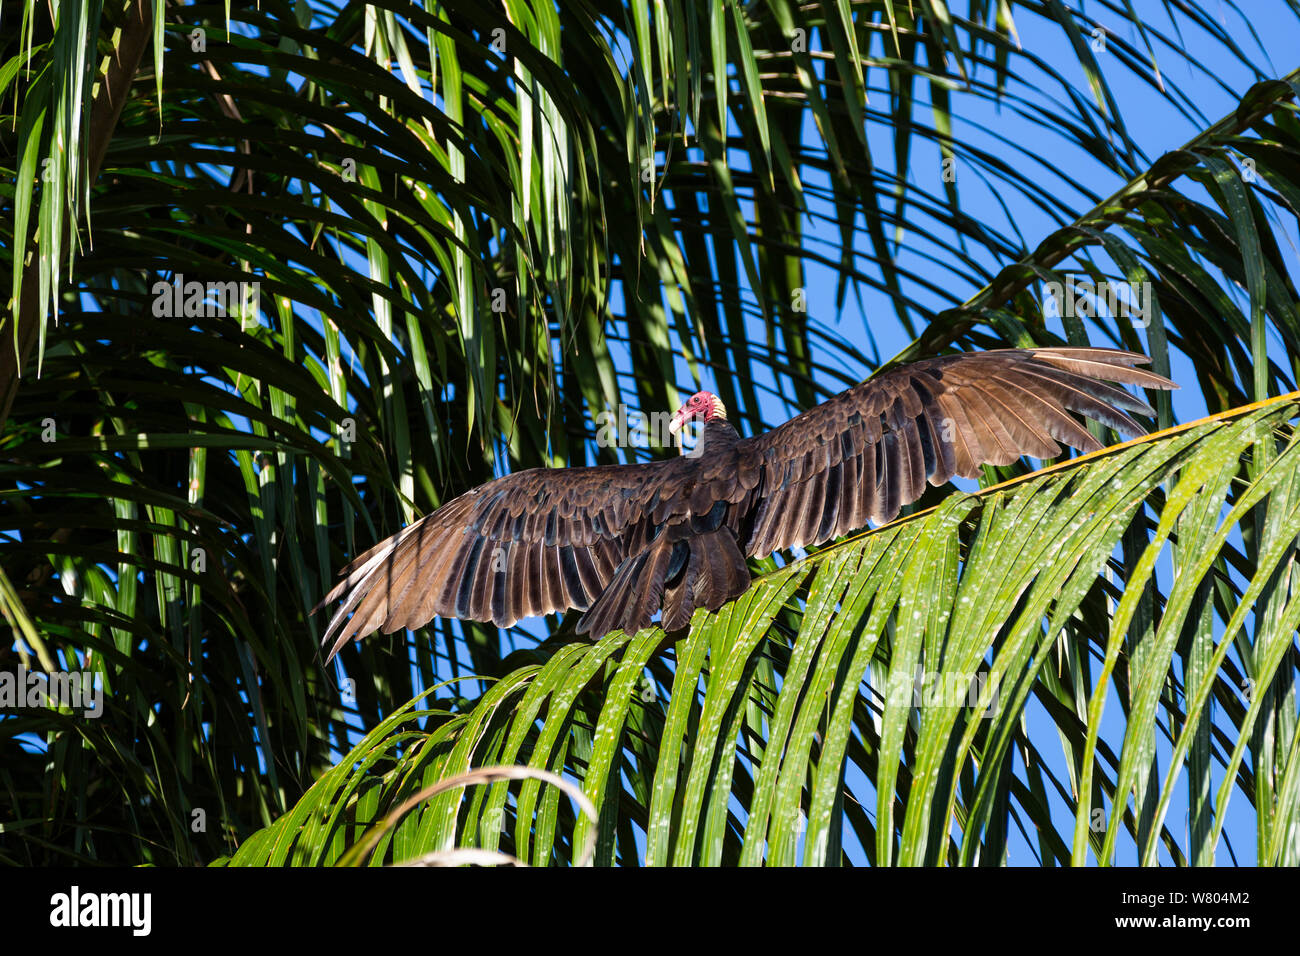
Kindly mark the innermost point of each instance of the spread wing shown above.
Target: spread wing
(870, 450)
(545, 540)
(526, 544)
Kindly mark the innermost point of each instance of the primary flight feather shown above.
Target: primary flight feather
(622, 542)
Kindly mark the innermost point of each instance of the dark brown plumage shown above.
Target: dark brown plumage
(624, 541)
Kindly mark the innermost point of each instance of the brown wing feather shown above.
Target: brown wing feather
(930, 421)
(530, 543)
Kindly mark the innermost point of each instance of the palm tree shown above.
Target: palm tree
(285, 277)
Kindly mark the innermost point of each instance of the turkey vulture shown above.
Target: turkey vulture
(623, 541)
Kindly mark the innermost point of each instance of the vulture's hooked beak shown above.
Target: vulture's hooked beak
(677, 423)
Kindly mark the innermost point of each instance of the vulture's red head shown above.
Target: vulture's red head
(702, 405)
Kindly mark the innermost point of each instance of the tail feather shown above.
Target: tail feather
(724, 575)
(680, 570)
